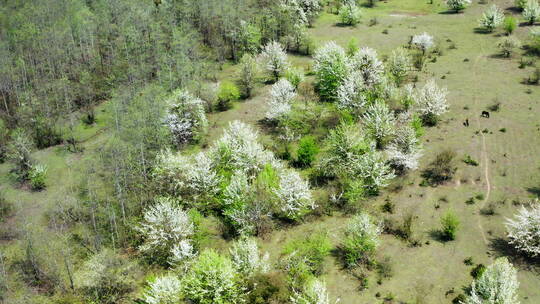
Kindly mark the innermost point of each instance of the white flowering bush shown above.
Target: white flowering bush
(350, 13)
(275, 59)
(293, 195)
(313, 292)
(379, 122)
(163, 290)
(399, 65)
(164, 226)
(239, 149)
(182, 253)
(498, 284)
(524, 230)
(247, 259)
(492, 18)
(531, 11)
(212, 278)
(331, 68)
(404, 151)
(423, 41)
(352, 94)
(311, 9)
(281, 95)
(375, 170)
(185, 117)
(431, 101)
(457, 5)
(187, 176)
(371, 68)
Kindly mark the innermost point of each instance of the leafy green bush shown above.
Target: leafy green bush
(228, 92)
(469, 161)
(212, 279)
(449, 226)
(478, 270)
(307, 150)
(305, 257)
(37, 176)
(361, 240)
(294, 76)
(509, 24)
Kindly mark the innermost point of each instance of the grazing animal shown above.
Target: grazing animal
(485, 114)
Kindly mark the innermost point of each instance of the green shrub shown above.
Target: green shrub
(417, 125)
(37, 176)
(478, 270)
(307, 150)
(469, 161)
(352, 46)
(449, 226)
(361, 241)
(509, 24)
(305, 257)
(294, 76)
(228, 92)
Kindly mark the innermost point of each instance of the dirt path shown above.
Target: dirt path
(484, 156)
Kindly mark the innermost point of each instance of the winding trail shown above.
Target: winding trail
(484, 156)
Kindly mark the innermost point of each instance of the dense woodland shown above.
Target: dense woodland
(169, 194)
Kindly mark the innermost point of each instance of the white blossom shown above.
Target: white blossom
(379, 121)
(293, 194)
(165, 225)
(375, 170)
(423, 41)
(524, 230)
(431, 99)
(182, 253)
(239, 149)
(369, 65)
(362, 226)
(192, 176)
(185, 117)
(281, 96)
(350, 13)
(492, 18)
(331, 67)
(458, 5)
(531, 11)
(164, 290)
(497, 285)
(314, 292)
(404, 151)
(275, 58)
(351, 94)
(311, 8)
(246, 258)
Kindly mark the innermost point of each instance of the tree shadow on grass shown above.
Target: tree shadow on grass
(450, 12)
(438, 236)
(500, 247)
(534, 190)
(482, 30)
(513, 9)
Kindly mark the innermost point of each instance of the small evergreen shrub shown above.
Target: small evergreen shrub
(228, 92)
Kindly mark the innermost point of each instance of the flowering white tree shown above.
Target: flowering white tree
(275, 59)
(498, 284)
(524, 230)
(423, 41)
(293, 195)
(281, 95)
(163, 290)
(457, 5)
(192, 176)
(379, 122)
(492, 18)
(164, 225)
(352, 95)
(311, 9)
(531, 11)
(331, 67)
(375, 171)
(404, 151)
(369, 65)
(185, 118)
(246, 258)
(399, 65)
(363, 226)
(239, 149)
(431, 101)
(182, 253)
(313, 292)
